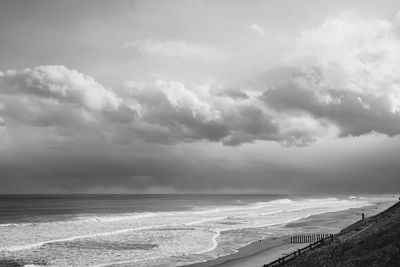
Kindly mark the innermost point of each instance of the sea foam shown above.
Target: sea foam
(175, 234)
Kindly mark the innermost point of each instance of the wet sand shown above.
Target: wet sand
(253, 252)
(269, 249)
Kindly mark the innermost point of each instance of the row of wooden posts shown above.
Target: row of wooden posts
(308, 238)
(291, 256)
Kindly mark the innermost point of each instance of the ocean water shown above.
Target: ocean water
(146, 230)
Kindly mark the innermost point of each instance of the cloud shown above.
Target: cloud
(63, 129)
(339, 79)
(179, 49)
(59, 84)
(176, 110)
(233, 93)
(66, 102)
(343, 74)
(257, 29)
(69, 104)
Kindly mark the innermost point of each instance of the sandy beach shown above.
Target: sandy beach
(269, 249)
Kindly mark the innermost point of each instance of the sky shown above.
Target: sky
(200, 96)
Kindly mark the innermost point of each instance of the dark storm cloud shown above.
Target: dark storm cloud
(94, 166)
(80, 167)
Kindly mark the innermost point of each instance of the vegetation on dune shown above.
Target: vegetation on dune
(371, 242)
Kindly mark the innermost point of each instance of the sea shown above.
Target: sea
(148, 230)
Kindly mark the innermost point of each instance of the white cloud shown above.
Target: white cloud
(257, 29)
(64, 102)
(73, 104)
(346, 74)
(60, 84)
(176, 49)
(170, 108)
(175, 95)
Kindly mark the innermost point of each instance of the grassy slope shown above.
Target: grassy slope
(377, 245)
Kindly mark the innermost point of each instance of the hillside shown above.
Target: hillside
(374, 241)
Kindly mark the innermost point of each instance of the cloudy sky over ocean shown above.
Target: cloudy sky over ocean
(199, 96)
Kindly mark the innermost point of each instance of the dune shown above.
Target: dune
(374, 241)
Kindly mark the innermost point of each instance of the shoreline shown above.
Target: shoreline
(274, 246)
(269, 249)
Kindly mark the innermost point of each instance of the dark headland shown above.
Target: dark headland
(374, 241)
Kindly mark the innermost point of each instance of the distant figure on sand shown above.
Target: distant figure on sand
(362, 216)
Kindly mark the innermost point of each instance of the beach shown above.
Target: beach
(266, 250)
